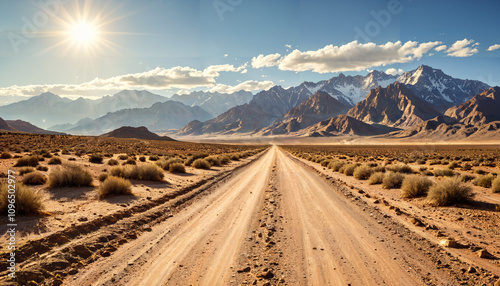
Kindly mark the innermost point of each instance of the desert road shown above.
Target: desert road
(273, 222)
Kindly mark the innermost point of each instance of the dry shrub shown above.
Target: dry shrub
(193, 158)
(201, 164)
(448, 192)
(495, 185)
(102, 177)
(35, 178)
(112, 162)
(28, 201)
(5, 155)
(165, 164)
(393, 180)
(484, 181)
(404, 169)
(363, 172)
(26, 170)
(130, 161)
(415, 186)
(213, 160)
(348, 169)
(177, 168)
(70, 176)
(235, 157)
(376, 178)
(96, 158)
(31, 161)
(146, 172)
(224, 159)
(115, 186)
(55, 161)
(443, 173)
(42, 168)
(336, 165)
(154, 158)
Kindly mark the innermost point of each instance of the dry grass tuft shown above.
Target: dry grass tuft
(376, 178)
(31, 161)
(448, 192)
(393, 180)
(201, 164)
(35, 178)
(28, 201)
(115, 186)
(415, 186)
(70, 176)
(363, 172)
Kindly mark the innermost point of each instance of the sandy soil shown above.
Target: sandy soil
(276, 221)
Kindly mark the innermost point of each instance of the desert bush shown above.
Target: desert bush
(142, 159)
(5, 155)
(325, 162)
(443, 173)
(115, 186)
(392, 180)
(349, 169)
(435, 162)
(362, 172)
(467, 178)
(70, 176)
(415, 186)
(336, 165)
(31, 161)
(234, 157)
(480, 172)
(154, 158)
(224, 159)
(145, 172)
(495, 185)
(421, 161)
(452, 165)
(194, 157)
(113, 162)
(449, 191)
(376, 178)
(404, 169)
(177, 168)
(201, 164)
(130, 161)
(123, 157)
(483, 181)
(42, 168)
(102, 177)
(26, 170)
(213, 160)
(96, 158)
(55, 161)
(34, 178)
(165, 164)
(28, 201)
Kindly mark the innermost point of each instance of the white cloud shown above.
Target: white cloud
(226, 55)
(354, 56)
(440, 48)
(250, 85)
(155, 79)
(393, 71)
(462, 49)
(266, 61)
(494, 47)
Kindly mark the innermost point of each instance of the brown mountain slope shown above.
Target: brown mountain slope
(482, 108)
(394, 106)
(4, 126)
(27, 127)
(136, 132)
(316, 108)
(342, 125)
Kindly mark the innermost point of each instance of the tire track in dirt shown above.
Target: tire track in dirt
(339, 243)
(198, 246)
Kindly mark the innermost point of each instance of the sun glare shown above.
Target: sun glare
(84, 34)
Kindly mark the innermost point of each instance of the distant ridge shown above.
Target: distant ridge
(135, 132)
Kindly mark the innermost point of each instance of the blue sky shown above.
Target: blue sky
(183, 45)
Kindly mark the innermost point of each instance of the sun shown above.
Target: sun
(85, 34)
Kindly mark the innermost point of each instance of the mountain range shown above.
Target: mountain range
(422, 101)
(24, 127)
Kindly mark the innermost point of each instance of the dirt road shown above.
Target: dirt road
(273, 222)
